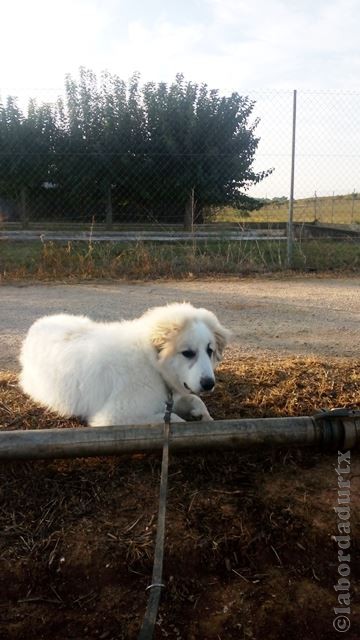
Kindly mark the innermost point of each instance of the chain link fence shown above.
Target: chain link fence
(327, 157)
(181, 158)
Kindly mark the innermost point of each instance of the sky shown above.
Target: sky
(265, 47)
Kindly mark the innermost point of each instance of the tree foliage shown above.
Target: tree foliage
(147, 149)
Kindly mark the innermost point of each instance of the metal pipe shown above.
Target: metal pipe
(329, 430)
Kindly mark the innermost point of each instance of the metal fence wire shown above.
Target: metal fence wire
(182, 156)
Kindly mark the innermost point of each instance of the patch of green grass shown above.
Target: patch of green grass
(81, 261)
(19, 255)
(325, 255)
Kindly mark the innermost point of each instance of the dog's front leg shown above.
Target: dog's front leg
(191, 407)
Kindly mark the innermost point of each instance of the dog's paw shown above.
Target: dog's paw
(201, 415)
(191, 407)
(198, 410)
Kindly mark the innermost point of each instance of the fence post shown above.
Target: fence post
(352, 206)
(290, 231)
(24, 218)
(315, 207)
(189, 213)
(109, 210)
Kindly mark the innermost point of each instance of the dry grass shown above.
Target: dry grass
(326, 209)
(249, 552)
(288, 387)
(80, 261)
(245, 388)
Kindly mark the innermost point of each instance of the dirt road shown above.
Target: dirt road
(267, 316)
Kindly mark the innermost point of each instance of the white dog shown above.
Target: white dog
(122, 372)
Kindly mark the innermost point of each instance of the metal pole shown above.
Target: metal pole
(328, 429)
(109, 210)
(290, 231)
(352, 207)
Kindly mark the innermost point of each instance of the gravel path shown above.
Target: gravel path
(270, 317)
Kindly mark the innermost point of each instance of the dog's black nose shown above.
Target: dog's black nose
(207, 383)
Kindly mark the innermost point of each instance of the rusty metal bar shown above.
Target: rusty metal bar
(326, 430)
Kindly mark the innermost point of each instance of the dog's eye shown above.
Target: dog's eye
(210, 351)
(188, 353)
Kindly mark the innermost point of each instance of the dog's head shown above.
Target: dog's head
(189, 342)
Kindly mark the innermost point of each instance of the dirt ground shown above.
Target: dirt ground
(250, 548)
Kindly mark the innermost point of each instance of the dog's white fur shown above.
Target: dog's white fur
(120, 372)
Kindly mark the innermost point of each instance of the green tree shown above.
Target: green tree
(102, 124)
(201, 147)
(116, 150)
(27, 146)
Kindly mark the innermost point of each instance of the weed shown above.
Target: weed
(79, 261)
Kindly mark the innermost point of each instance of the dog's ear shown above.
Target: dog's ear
(162, 335)
(222, 337)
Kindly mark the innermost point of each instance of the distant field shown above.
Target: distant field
(331, 210)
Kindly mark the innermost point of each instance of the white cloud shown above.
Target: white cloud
(157, 52)
(227, 43)
(291, 44)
